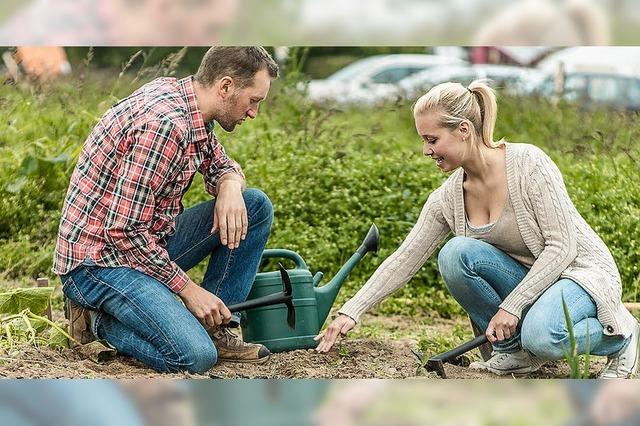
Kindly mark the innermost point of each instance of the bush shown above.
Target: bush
(329, 172)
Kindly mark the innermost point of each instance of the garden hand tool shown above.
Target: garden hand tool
(272, 299)
(436, 363)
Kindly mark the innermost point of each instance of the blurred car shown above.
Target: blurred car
(373, 79)
(592, 90)
(512, 80)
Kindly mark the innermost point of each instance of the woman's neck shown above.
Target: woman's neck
(482, 163)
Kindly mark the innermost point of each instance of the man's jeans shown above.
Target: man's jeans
(480, 276)
(142, 318)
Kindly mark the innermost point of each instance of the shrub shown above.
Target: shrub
(329, 172)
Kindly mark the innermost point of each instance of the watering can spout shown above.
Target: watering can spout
(326, 295)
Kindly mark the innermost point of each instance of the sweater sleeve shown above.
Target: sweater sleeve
(553, 212)
(428, 232)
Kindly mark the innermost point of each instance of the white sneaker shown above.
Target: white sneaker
(520, 362)
(624, 364)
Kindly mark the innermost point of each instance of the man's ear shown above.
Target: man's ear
(226, 86)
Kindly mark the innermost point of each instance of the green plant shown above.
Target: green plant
(571, 353)
(329, 172)
(343, 351)
(22, 322)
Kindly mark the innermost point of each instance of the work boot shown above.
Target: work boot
(520, 362)
(79, 323)
(624, 364)
(232, 348)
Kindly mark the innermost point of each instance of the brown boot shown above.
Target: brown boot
(231, 347)
(79, 323)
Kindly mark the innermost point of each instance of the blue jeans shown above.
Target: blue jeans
(142, 318)
(480, 277)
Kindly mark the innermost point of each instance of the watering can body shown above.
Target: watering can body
(268, 325)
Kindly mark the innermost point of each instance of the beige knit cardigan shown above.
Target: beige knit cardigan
(562, 242)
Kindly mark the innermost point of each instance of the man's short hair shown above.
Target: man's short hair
(239, 63)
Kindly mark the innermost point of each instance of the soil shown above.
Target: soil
(386, 356)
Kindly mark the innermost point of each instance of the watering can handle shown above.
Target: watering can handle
(287, 254)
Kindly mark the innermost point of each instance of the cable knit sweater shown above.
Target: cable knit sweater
(562, 242)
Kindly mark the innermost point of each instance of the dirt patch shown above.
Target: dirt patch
(385, 355)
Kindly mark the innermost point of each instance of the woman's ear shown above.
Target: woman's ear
(464, 129)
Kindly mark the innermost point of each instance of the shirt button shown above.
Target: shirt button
(610, 329)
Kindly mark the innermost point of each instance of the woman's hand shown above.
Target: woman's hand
(339, 327)
(502, 326)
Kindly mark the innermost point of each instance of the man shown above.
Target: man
(124, 240)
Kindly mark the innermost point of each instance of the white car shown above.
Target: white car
(509, 79)
(373, 79)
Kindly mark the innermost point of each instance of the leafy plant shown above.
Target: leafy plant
(329, 171)
(22, 322)
(571, 353)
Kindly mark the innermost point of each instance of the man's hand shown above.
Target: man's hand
(502, 326)
(230, 213)
(339, 327)
(205, 306)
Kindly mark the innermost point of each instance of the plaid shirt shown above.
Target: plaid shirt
(127, 187)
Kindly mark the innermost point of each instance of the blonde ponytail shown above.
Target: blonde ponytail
(488, 110)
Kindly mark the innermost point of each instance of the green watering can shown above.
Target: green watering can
(268, 324)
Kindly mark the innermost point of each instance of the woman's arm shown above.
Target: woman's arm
(425, 236)
(394, 272)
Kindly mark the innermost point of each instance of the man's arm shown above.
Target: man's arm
(151, 161)
(224, 179)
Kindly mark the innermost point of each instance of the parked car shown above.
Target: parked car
(372, 79)
(509, 79)
(594, 90)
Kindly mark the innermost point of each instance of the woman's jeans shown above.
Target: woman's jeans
(480, 276)
(142, 318)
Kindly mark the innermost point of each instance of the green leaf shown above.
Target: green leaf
(35, 299)
(17, 185)
(56, 339)
(29, 166)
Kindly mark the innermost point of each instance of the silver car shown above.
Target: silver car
(373, 79)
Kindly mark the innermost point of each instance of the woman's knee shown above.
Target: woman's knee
(543, 337)
(259, 207)
(453, 258)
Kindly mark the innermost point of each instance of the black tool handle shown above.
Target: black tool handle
(271, 299)
(463, 348)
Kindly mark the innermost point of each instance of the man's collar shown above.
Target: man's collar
(201, 129)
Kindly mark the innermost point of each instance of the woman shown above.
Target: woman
(520, 245)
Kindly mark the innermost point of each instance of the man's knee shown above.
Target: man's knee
(195, 356)
(259, 207)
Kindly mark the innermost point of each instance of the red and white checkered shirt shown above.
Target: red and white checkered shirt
(127, 187)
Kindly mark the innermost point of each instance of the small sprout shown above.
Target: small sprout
(343, 351)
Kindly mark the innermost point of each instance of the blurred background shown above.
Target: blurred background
(307, 402)
(310, 22)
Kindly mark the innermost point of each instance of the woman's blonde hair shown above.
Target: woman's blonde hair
(456, 103)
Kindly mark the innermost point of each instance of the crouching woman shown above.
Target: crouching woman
(520, 246)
